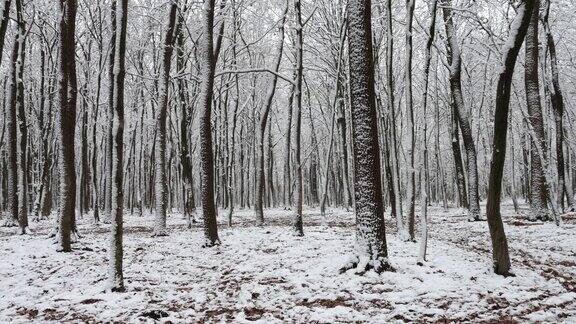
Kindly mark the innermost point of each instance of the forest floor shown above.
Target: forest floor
(266, 274)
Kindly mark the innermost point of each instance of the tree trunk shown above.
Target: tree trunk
(455, 61)
(558, 106)
(371, 251)
(515, 39)
(67, 93)
(298, 226)
(161, 181)
(411, 132)
(538, 201)
(208, 62)
(258, 201)
(116, 250)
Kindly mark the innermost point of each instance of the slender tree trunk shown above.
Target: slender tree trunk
(411, 132)
(516, 36)
(4, 25)
(558, 106)
(161, 181)
(22, 123)
(258, 201)
(458, 165)
(455, 61)
(116, 250)
(298, 226)
(424, 144)
(12, 138)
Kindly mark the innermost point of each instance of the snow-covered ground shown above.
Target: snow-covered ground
(268, 275)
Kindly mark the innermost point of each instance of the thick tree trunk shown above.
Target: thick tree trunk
(371, 251)
(116, 250)
(515, 39)
(22, 124)
(208, 62)
(538, 200)
(67, 94)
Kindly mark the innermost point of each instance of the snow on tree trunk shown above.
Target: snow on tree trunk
(208, 65)
(510, 51)
(371, 251)
(22, 124)
(411, 186)
(116, 277)
(258, 201)
(67, 93)
(298, 226)
(5, 11)
(538, 195)
(455, 61)
(12, 139)
(161, 180)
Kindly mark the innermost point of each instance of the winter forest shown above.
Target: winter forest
(299, 161)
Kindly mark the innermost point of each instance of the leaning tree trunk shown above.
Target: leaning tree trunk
(371, 251)
(455, 61)
(538, 199)
(298, 227)
(208, 62)
(458, 165)
(116, 250)
(258, 201)
(67, 94)
(161, 181)
(517, 32)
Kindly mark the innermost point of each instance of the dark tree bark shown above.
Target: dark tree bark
(208, 62)
(458, 165)
(161, 180)
(4, 25)
(12, 138)
(411, 186)
(260, 178)
(455, 61)
(116, 249)
(22, 123)
(539, 197)
(67, 95)
(515, 39)
(371, 251)
(558, 105)
(298, 226)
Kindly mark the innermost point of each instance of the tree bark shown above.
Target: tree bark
(538, 201)
(515, 39)
(298, 226)
(455, 61)
(258, 201)
(208, 62)
(161, 181)
(116, 250)
(67, 95)
(371, 251)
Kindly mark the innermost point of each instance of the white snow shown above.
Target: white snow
(266, 274)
